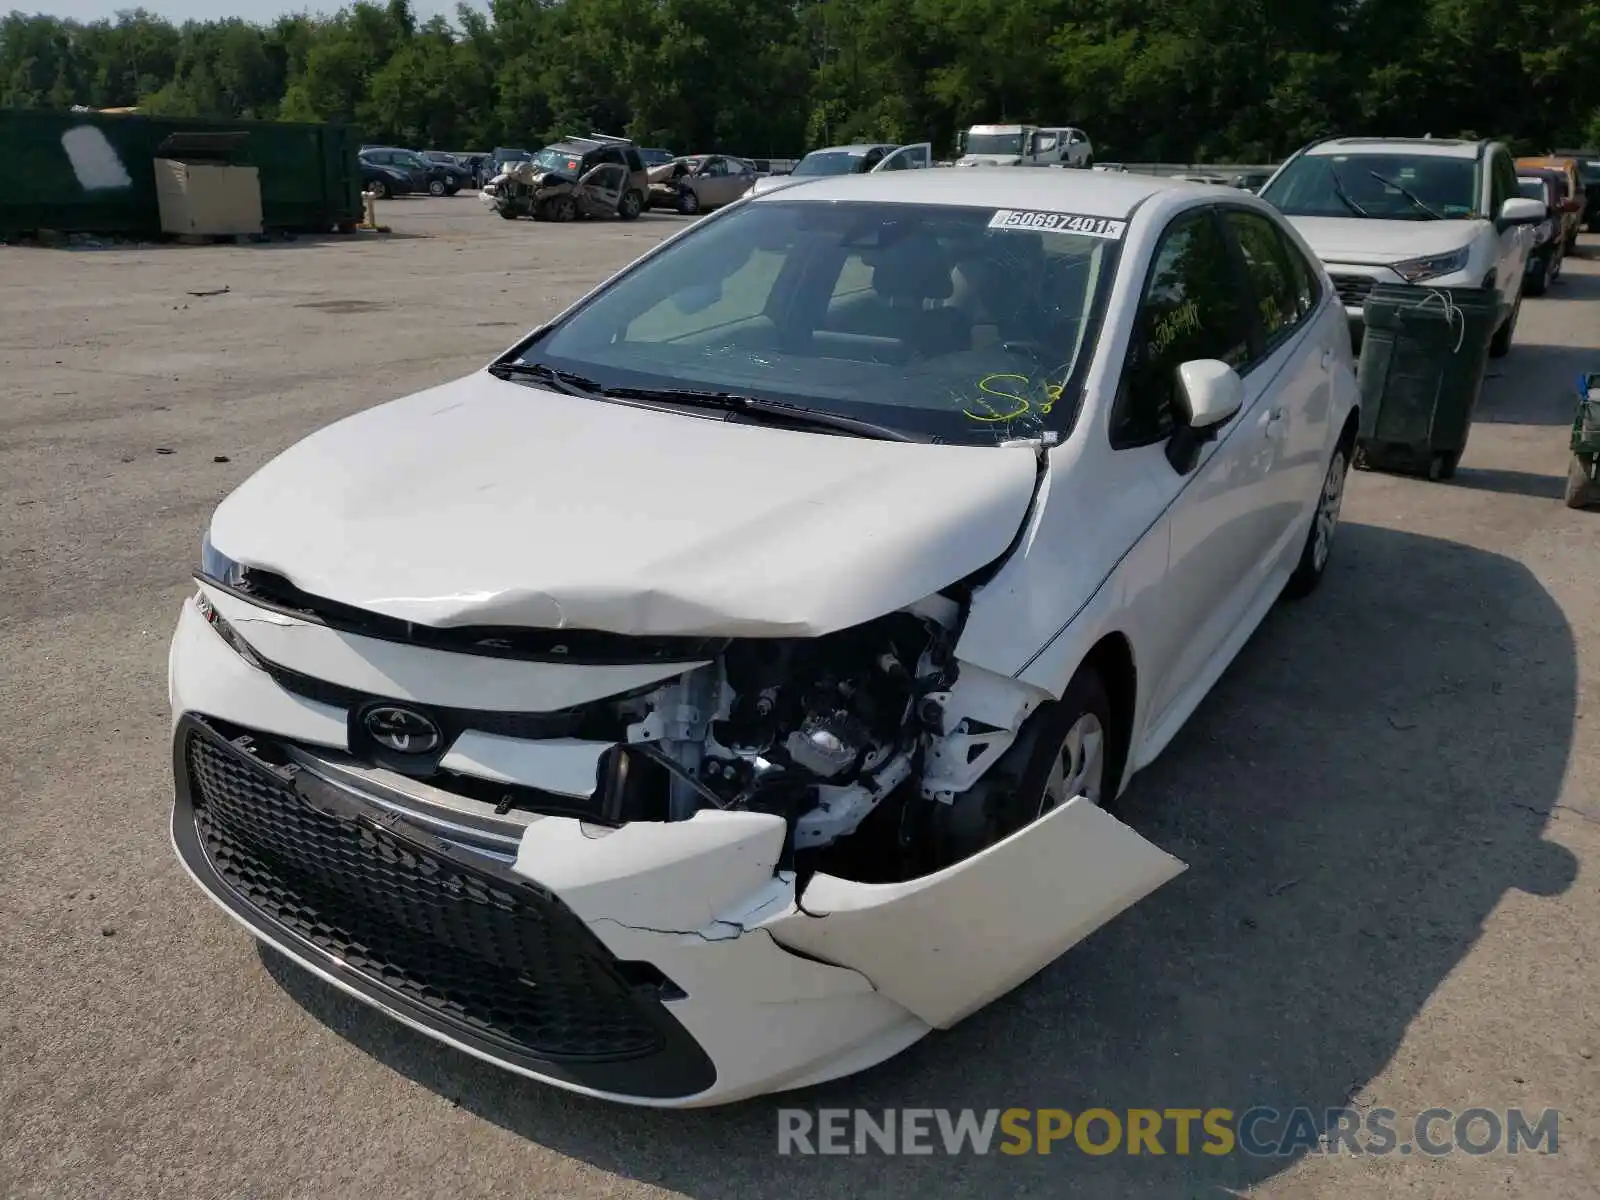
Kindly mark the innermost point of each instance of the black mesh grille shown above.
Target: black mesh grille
(1353, 289)
(507, 962)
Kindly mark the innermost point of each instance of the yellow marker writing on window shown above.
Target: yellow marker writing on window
(995, 415)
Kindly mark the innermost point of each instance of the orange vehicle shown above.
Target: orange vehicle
(1573, 202)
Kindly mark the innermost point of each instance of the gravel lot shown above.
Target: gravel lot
(1388, 805)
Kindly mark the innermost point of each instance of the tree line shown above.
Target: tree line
(1164, 80)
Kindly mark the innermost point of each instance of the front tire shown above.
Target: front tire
(436, 187)
(379, 188)
(631, 206)
(688, 202)
(1318, 549)
(1500, 345)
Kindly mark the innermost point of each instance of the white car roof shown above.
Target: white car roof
(1433, 147)
(1091, 193)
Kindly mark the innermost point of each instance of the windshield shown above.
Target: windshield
(831, 162)
(1386, 186)
(550, 159)
(925, 319)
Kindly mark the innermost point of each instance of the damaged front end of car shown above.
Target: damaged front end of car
(669, 870)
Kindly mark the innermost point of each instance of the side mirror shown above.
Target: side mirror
(1209, 394)
(1520, 210)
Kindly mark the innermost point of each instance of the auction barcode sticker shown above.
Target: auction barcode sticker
(1059, 222)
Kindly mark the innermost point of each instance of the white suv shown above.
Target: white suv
(1432, 211)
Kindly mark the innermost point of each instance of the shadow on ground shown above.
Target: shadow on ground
(1361, 789)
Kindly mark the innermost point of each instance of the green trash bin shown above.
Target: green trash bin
(1421, 372)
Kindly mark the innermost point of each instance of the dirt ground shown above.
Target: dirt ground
(1388, 805)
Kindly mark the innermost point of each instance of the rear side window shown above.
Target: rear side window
(1191, 308)
(1307, 277)
(1271, 277)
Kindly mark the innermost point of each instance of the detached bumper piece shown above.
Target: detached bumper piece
(434, 934)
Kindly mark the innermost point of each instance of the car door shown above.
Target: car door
(600, 189)
(907, 158)
(1293, 366)
(714, 183)
(1514, 242)
(1196, 304)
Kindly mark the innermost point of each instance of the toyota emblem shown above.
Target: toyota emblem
(403, 730)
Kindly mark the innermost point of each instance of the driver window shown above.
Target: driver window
(1191, 308)
(715, 167)
(872, 159)
(1046, 142)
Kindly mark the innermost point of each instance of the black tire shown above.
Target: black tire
(1500, 344)
(379, 188)
(436, 187)
(1540, 285)
(563, 209)
(688, 202)
(508, 213)
(1318, 550)
(630, 206)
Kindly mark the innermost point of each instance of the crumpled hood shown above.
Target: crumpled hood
(486, 502)
(1379, 243)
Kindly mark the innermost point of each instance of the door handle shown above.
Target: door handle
(1273, 425)
(1327, 359)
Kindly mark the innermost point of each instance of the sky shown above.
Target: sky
(178, 11)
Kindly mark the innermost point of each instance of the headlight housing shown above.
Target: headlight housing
(1432, 266)
(216, 565)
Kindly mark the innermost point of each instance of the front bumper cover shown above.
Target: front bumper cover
(451, 942)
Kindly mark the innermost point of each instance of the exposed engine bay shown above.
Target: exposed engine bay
(826, 732)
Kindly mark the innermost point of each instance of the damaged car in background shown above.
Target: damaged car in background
(733, 682)
(596, 176)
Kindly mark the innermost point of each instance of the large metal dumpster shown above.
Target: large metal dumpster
(94, 172)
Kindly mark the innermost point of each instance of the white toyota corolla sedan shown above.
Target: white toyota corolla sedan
(732, 682)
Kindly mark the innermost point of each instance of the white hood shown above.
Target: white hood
(989, 160)
(484, 502)
(1378, 242)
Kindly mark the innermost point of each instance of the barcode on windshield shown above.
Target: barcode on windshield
(1058, 222)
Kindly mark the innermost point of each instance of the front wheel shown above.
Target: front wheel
(379, 188)
(1500, 345)
(631, 206)
(688, 202)
(436, 187)
(1314, 557)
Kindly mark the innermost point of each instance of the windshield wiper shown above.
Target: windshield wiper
(1344, 196)
(1433, 213)
(735, 404)
(562, 381)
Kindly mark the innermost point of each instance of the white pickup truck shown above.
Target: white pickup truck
(1024, 146)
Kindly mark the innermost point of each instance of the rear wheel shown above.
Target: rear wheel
(1324, 524)
(509, 213)
(379, 188)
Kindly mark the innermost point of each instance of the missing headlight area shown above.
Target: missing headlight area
(868, 742)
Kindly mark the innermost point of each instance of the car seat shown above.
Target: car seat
(914, 277)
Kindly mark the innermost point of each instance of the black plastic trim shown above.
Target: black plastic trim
(679, 1069)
